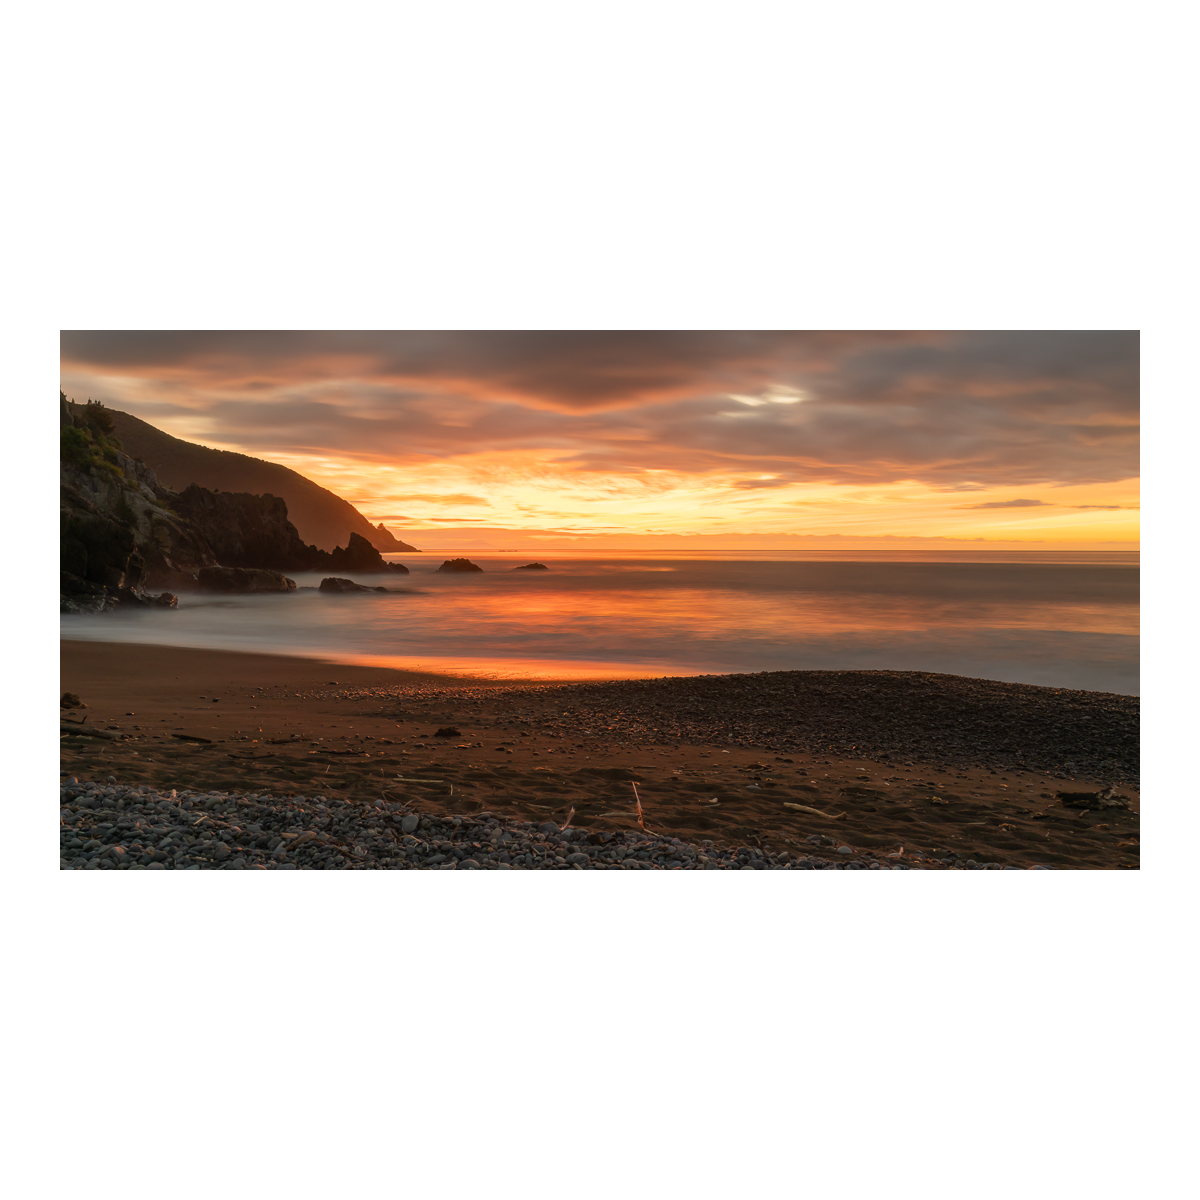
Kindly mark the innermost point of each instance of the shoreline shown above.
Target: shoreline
(782, 761)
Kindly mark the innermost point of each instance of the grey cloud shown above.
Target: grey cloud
(952, 410)
(1009, 504)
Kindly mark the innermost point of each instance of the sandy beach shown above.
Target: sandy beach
(930, 769)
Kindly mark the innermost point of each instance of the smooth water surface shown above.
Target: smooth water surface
(1070, 624)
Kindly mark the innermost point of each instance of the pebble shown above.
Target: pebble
(142, 828)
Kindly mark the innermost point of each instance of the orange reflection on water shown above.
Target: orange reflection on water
(540, 670)
(718, 614)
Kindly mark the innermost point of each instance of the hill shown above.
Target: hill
(322, 518)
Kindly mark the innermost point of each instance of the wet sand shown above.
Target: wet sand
(706, 766)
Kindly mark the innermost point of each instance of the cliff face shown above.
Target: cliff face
(122, 532)
(245, 530)
(117, 536)
(254, 531)
(322, 518)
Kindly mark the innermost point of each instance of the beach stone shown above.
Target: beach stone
(547, 827)
(409, 823)
(155, 866)
(342, 586)
(844, 850)
(243, 579)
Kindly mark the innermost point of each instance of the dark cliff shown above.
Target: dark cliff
(123, 533)
(321, 518)
(117, 536)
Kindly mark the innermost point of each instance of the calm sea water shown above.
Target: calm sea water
(1060, 620)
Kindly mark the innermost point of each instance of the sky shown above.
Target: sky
(740, 438)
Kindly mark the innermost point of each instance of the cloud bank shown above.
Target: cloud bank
(949, 410)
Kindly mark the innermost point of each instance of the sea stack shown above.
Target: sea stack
(459, 564)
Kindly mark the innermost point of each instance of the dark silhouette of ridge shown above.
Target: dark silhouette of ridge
(321, 517)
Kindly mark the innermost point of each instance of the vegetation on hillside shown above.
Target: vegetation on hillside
(92, 445)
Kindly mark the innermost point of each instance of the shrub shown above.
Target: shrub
(77, 447)
(99, 416)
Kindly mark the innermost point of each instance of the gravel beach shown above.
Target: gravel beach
(114, 827)
(861, 769)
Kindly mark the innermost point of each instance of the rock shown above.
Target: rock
(337, 586)
(459, 564)
(547, 827)
(241, 580)
(70, 700)
(244, 530)
(468, 864)
(409, 823)
(447, 731)
(532, 567)
(1092, 801)
(844, 850)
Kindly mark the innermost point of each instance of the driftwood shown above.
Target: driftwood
(79, 730)
(816, 812)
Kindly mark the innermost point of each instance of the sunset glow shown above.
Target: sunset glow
(568, 439)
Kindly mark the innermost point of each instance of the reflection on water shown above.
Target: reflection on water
(1054, 623)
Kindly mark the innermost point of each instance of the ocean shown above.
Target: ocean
(1055, 619)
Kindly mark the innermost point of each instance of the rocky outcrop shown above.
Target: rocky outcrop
(122, 532)
(459, 564)
(532, 567)
(383, 539)
(358, 555)
(341, 587)
(247, 531)
(321, 517)
(112, 524)
(242, 580)
(254, 531)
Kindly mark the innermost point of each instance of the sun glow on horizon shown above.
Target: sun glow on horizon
(1010, 437)
(533, 492)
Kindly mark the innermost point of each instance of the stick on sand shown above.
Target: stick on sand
(641, 815)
